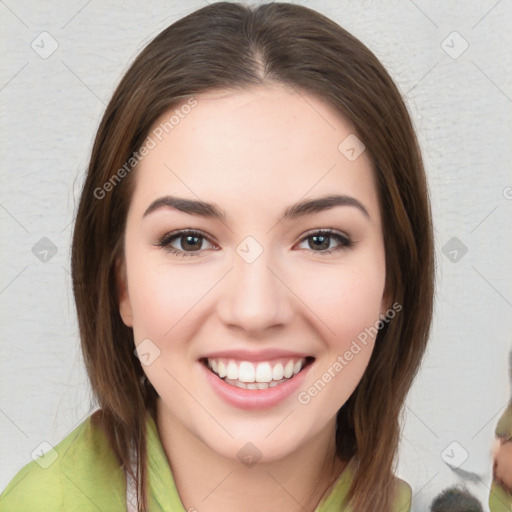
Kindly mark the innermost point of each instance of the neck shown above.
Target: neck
(209, 482)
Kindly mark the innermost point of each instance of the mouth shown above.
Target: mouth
(256, 375)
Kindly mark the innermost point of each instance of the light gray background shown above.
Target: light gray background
(462, 110)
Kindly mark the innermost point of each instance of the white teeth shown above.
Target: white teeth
(246, 372)
(232, 371)
(255, 376)
(288, 369)
(253, 385)
(221, 368)
(277, 372)
(263, 372)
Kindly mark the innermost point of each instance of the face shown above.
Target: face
(247, 310)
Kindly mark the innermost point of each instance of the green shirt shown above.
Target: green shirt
(86, 477)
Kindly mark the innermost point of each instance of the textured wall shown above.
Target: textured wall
(53, 89)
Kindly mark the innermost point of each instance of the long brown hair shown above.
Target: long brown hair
(229, 46)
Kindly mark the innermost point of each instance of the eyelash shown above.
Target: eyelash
(165, 241)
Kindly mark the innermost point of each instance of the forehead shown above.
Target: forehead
(273, 142)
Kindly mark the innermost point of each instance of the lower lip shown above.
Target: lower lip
(254, 398)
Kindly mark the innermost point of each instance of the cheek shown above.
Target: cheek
(166, 310)
(349, 309)
(171, 300)
(347, 299)
(162, 298)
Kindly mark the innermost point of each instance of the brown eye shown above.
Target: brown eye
(190, 241)
(320, 241)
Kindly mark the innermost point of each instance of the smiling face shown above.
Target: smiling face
(254, 293)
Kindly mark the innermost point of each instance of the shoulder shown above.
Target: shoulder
(340, 490)
(403, 496)
(499, 499)
(81, 473)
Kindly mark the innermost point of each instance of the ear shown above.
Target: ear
(125, 308)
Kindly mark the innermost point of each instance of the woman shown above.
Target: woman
(500, 498)
(249, 372)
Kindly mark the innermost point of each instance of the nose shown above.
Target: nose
(255, 297)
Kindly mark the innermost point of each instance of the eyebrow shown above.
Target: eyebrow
(300, 209)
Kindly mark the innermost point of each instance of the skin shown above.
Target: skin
(253, 154)
(503, 463)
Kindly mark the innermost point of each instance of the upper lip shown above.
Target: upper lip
(255, 355)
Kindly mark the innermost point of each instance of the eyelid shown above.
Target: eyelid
(326, 231)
